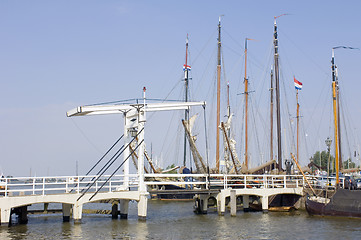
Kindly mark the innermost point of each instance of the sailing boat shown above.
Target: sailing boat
(344, 202)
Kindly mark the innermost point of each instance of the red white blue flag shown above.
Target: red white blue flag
(298, 84)
(188, 67)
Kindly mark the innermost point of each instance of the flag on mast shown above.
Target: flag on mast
(298, 84)
(186, 67)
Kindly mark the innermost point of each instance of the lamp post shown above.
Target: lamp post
(328, 142)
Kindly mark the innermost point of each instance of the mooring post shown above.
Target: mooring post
(123, 208)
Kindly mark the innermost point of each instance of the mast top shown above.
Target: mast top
(219, 19)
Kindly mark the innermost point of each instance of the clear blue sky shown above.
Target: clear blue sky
(56, 55)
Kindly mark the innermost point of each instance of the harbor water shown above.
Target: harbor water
(176, 220)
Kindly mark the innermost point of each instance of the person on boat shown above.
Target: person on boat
(188, 179)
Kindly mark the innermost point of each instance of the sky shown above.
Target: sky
(57, 55)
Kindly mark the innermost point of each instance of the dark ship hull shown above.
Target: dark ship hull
(344, 203)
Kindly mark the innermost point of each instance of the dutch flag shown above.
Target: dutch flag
(188, 67)
(298, 84)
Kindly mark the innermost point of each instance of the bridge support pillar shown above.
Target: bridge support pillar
(233, 203)
(66, 212)
(123, 208)
(203, 203)
(142, 207)
(77, 212)
(264, 204)
(115, 210)
(5, 216)
(246, 203)
(221, 203)
(23, 214)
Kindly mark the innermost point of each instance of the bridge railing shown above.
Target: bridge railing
(222, 181)
(77, 184)
(63, 184)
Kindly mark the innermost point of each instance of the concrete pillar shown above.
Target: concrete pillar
(246, 203)
(264, 204)
(66, 212)
(204, 203)
(123, 208)
(46, 206)
(233, 203)
(5, 216)
(77, 212)
(221, 203)
(23, 214)
(115, 210)
(142, 207)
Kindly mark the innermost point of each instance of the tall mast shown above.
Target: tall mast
(298, 124)
(278, 110)
(335, 115)
(271, 117)
(338, 119)
(186, 112)
(246, 104)
(218, 93)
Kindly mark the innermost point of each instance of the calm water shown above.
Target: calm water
(176, 220)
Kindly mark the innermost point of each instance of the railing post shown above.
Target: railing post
(207, 185)
(244, 181)
(6, 188)
(265, 181)
(43, 186)
(284, 181)
(33, 186)
(110, 185)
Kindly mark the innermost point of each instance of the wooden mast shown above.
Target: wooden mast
(334, 101)
(338, 120)
(186, 112)
(246, 104)
(278, 110)
(218, 93)
(271, 118)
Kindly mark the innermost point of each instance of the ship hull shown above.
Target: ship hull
(344, 203)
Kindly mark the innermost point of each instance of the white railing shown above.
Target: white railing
(221, 181)
(64, 184)
(78, 184)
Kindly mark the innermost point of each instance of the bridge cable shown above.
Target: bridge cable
(103, 171)
(103, 156)
(116, 170)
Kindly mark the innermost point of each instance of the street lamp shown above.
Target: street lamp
(328, 142)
